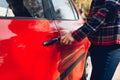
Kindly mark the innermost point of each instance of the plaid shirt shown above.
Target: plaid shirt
(103, 24)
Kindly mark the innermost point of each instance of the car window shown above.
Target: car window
(64, 10)
(48, 9)
(35, 7)
(21, 8)
(4, 9)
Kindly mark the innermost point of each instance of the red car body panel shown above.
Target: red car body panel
(69, 54)
(21, 46)
(23, 56)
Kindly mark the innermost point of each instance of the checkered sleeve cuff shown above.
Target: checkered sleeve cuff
(82, 32)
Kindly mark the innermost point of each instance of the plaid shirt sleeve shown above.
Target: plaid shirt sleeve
(94, 22)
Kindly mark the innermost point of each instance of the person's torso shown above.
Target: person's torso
(109, 33)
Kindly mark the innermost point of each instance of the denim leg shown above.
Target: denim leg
(104, 61)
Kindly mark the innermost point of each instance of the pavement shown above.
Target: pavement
(117, 73)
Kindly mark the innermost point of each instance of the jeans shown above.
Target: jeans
(104, 61)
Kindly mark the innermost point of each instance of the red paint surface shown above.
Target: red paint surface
(23, 56)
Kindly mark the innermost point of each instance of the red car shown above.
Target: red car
(29, 40)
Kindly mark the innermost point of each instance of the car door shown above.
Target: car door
(22, 53)
(72, 57)
(25, 50)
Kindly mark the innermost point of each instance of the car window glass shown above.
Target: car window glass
(63, 9)
(21, 8)
(34, 7)
(4, 9)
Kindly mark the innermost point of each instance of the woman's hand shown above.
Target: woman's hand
(67, 39)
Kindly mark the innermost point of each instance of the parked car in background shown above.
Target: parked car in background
(29, 40)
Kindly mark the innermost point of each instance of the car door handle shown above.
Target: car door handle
(50, 42)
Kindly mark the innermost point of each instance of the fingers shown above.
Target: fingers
(67, 39)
